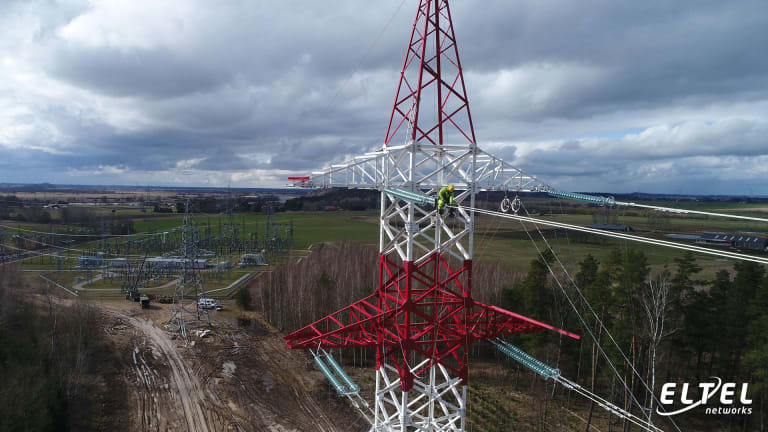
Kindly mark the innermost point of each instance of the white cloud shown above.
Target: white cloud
(142, 24)
(533, 88)
(101, 170)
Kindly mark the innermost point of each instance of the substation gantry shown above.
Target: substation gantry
(422, 318)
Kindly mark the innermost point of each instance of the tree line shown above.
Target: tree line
(670, 325)
(50, 357)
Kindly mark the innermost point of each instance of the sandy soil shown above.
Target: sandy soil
(240, 377)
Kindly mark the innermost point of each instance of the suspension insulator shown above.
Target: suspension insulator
(511, 206)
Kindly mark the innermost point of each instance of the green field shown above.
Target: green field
(730, 207)
(496, 240)
(518, 253)
(309, 227)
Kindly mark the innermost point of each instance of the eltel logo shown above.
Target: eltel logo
(727, 391)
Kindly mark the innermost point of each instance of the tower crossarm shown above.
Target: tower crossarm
(433, 167)
(494, 174)
(488, 322)
(364, 324)
(356, 325)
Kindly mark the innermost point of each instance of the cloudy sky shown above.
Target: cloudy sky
(652, 96)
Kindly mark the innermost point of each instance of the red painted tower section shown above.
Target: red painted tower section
(431, 82)
(426, 311)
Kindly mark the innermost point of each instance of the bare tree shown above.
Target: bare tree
(655, 302)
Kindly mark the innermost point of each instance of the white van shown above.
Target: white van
(208, 303)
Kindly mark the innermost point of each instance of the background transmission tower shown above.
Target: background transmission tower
(190, 282)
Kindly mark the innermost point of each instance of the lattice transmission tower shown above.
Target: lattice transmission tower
(421, 317)
(190, 260)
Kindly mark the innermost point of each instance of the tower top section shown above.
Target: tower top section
(431, 103)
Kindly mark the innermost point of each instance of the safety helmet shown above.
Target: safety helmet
(450, 188)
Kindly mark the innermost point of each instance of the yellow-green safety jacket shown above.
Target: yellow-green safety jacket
(445, 197)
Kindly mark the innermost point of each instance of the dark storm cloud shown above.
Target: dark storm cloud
(194, 90)
(724, 138)
(135, 73)
(731, 151)
(642, 53)
(305, 155)
(223, 159)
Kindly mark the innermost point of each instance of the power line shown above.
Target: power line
(103, 235)
(723, 254)
(573, 306)
(609, 201)
(685, 211)
(82, 251)
(41, 253)
(602, 325)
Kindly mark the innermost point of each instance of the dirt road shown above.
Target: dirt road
(234, 379)
(190, 393)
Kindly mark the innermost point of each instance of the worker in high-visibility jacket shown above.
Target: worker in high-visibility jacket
(446, 197)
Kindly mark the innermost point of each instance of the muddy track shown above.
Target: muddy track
(189, 389)
(233, 379)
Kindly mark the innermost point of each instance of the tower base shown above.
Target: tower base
(434, 404)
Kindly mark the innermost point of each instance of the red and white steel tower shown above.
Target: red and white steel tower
(422, 317)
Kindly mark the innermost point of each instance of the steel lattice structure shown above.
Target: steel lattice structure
(190, 279)
(431, 68)
(422, 317)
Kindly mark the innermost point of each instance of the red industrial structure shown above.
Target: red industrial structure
(300, 181)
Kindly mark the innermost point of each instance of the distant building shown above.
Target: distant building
(175, 263)
(683, 236)
(90, 261)
(118, 262)
(758, 243)
(716, 238)
(740, 241)
(252, 259)
(610, 227)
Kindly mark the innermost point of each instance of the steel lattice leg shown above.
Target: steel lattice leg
(436, 404)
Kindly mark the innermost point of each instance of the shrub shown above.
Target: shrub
(243, 297)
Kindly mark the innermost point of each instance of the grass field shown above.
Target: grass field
(505, 241)
(663, 222)
(745, 209)
(496, 240)
(309, 227)
(518, 253)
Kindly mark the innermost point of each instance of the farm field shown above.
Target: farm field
(309, 227)
(496, 240)
(729, 207)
